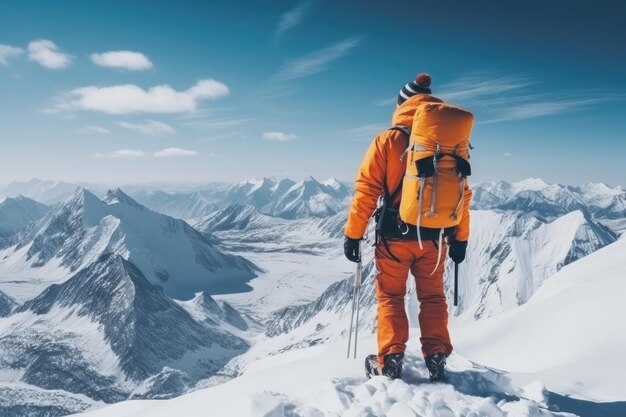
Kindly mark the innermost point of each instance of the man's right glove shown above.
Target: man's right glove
(351, 249)
(457, 251)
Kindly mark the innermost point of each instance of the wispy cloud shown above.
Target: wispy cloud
(126, 60)
(94, 129)
(47, 54)
(279, 136)
(539, 105)
(130, 98)
(122, 154)
(508, 154)
(291, 19)
(215, 119)
(283, 83)
(151, 127)
(496, 98)
(387, 101)
(316, 61)
(363, 132)
(476, 86)
(8, 52)
(174, 152)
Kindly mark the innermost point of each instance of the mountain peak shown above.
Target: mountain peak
(530, 184)
(18, 199)
(332, 182)
(81, 197)
(119, 196)
(601, 189)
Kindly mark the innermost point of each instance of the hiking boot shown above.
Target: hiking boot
(436, 365)
(392, 368)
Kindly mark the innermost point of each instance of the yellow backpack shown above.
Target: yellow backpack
(437, 167)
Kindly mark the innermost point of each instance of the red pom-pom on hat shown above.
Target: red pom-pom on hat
(423, 80)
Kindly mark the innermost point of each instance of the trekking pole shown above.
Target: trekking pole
(456, 284)
(355, 306)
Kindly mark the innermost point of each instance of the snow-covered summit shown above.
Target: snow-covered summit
(321, 382)
(105, 332)
(235, 217)
(118, 196)
(529, 184)
(569, 334)
(550, 201)
(168, 251)
(308, 198)
(17, 212)
(601, 189)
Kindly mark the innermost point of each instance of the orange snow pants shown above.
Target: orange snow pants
(393, 326)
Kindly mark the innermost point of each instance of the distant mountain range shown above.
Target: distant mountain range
(279, 198)
(549, 201)
(111, 295)
(171, 254)
(110, 300)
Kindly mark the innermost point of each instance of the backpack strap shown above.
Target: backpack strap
(389, 197)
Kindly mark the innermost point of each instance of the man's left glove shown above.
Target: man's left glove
(457, 251)
(351, 249)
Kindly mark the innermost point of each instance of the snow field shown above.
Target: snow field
(320, 382)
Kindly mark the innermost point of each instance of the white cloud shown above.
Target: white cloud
(479, 85)
(151, 127)
(129, 98)
(7, 52)
(292, 18)
(508, 154)
(387, 101)
(363, 132)
(498, 98)
(531, 106)
(122, 154)
(278, 136)
(127, 60)
(174, 152)
(47, 54)
(316, 61)
(95, 129)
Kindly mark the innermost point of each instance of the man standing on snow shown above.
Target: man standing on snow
(398, 251)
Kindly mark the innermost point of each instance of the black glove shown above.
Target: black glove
(457, 251)
(351, 249)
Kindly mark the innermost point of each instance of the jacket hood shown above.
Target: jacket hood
(403, 115)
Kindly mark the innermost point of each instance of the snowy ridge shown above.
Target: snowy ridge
(274, 388)
(551, 200)
(234, 217)
(46, 192)
(16, 213)
(169, 252)
(510, 256)
(184, 206)
(569, 335)
(308, 198)
(107, 330)
(27, 400)
(203, 308)
(6, 304)
(276, 198)
(508, 260)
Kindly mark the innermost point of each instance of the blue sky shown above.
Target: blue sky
(142, 91)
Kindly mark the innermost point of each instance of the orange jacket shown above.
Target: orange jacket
(382, 163)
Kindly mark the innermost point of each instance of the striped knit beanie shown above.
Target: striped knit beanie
(421, 85)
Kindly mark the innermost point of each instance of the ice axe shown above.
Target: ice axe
(356, 291)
